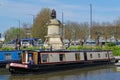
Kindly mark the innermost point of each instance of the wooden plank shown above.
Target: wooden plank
(35, 57)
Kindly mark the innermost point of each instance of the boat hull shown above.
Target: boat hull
(46, 68)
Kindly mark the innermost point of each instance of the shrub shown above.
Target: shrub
(30, 48)
(7, 48)
(110, 44)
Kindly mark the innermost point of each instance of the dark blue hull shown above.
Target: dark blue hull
(46, 68)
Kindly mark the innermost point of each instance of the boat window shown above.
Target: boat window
(111, 54)
(62, 57)
(44, 57)
(106, 55)
(77, 56)
(19, 55)
(30, 55)
(91, 56)
(7, 56)
(98, 55)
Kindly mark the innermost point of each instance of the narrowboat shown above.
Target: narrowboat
(7, 57)
(49, 61)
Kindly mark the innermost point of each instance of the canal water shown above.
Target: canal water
(108, 72)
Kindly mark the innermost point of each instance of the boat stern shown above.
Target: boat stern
(17, 68)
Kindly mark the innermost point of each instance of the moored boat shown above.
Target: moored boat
(47, 61)
(7, 57)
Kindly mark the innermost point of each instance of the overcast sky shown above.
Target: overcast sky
(13, 11)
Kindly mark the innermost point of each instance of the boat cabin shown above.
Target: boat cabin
(48, 57)
(52, 56)
(27, 54)
(7, 57)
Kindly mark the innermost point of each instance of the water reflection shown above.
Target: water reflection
(93, 73)
(108, 72)
(4, 71)
(118, 68)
